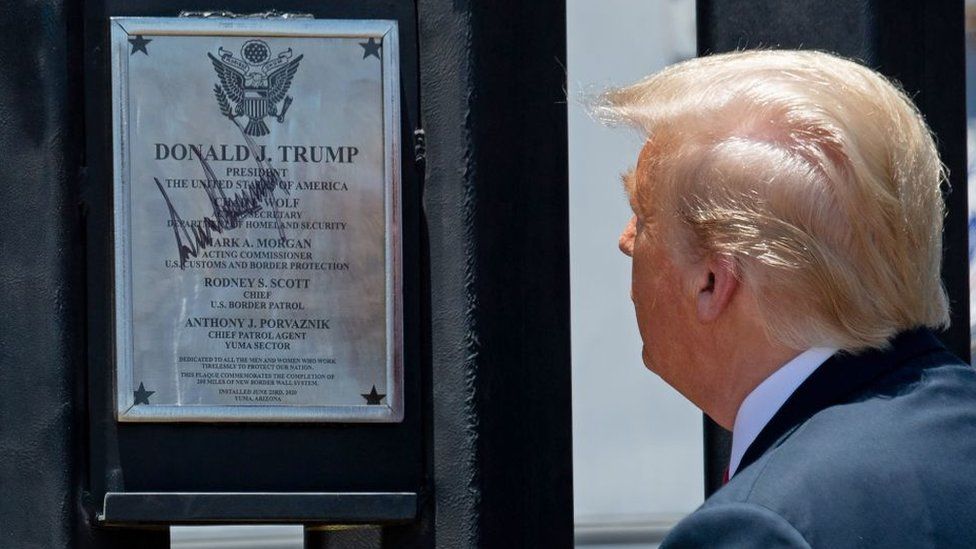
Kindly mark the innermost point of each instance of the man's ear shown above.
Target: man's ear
(718, 282)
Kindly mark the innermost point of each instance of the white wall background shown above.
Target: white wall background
(637, 444)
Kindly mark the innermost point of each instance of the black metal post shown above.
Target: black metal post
(496, 200)
(41, 282)
(487, 442)
(919, 44)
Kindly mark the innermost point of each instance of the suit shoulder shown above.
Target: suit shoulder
(907, 425)
(896, 454)
(734, 524)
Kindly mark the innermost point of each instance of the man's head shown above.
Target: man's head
(793, 194)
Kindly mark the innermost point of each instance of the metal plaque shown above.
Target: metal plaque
(257, 214)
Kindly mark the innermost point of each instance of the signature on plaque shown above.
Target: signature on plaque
(256, 85)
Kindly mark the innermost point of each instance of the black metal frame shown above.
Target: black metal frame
(919, 44)
(348, 460)
(486, 311)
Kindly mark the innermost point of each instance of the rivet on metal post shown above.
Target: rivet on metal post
(420, 146)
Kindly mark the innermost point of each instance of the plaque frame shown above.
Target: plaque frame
(121, 29)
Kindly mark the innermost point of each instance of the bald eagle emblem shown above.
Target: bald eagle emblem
(254, 84)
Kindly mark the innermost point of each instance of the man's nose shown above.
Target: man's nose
(627, 237)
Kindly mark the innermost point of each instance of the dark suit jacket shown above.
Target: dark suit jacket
(873, 450)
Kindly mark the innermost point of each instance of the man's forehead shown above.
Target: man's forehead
(639, 177)
(647, 153)
(651, 155)
(659, 158)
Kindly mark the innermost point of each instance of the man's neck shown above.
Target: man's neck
(762, 403)
(741, 371)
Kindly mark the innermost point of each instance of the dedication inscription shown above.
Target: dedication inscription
(256, 220)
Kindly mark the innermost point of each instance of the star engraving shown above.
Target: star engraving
(373, 397)
(142, 395)
(371, 48)
(139, 44)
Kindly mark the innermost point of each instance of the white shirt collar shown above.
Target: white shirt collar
(769, 396)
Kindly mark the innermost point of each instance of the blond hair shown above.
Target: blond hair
(815, 174)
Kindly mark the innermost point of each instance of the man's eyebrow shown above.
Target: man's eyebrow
(629, 180)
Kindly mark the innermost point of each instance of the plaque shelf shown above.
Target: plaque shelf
(129, 509)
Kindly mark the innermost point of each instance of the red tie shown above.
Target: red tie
(725, 477)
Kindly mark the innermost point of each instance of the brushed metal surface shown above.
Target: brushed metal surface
(257, 219)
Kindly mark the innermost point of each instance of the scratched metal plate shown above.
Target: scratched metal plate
(257, 220)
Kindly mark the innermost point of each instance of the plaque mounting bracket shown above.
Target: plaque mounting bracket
(271, 14)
